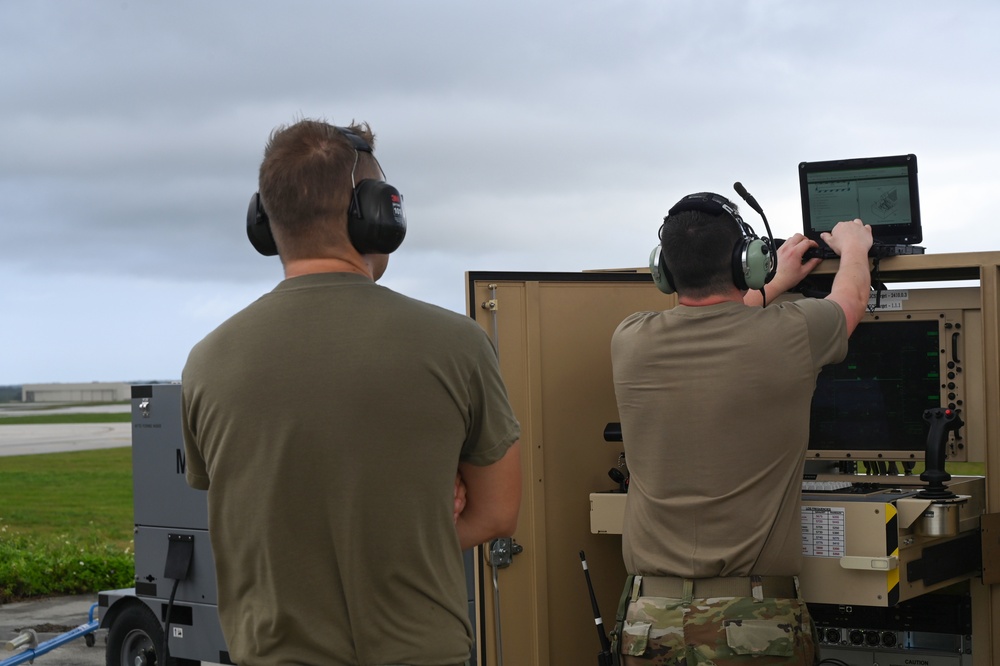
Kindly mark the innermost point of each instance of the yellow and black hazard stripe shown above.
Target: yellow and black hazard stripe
(892, 550)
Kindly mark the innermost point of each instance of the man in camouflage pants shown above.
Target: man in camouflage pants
(714, 397)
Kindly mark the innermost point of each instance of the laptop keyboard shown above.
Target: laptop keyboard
(878, 250)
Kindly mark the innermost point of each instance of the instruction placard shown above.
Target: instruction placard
(823, 531)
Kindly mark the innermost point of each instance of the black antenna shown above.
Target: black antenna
(604, 657)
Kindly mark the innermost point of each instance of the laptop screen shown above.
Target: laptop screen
(882, 191)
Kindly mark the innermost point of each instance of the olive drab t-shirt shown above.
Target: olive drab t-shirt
(327, 420)
(714, 404)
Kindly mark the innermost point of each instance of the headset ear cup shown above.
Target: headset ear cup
(661, 274)
(259, 228)
(376, 222)
(757, 264)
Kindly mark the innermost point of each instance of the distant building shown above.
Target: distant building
(92, 392)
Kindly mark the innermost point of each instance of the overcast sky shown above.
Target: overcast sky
(536, 136)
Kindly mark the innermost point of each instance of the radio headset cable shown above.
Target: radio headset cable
(877, 286)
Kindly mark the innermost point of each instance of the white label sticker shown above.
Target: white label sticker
(888, 299)
(823, 531)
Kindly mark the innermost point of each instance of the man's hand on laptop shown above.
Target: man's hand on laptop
(849, 237)
(793, 266)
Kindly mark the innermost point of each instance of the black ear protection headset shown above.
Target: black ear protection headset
(753, 258)
(376, 223)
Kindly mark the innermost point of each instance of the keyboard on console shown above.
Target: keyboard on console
(840, 487)
(825, 486)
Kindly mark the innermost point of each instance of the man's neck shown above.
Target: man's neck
(733, 296)
(299, 267)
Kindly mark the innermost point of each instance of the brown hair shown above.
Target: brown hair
(305, 184)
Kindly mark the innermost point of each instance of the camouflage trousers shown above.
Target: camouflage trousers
(723, 631)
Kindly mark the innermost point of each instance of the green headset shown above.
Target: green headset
(753, 260)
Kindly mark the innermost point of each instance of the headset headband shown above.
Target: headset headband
(707, 202)
(355, 139)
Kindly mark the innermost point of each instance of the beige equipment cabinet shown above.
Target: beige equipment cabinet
(552, 332)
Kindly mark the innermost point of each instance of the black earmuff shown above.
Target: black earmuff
(376, 221)
(259, 228)
(753, 261)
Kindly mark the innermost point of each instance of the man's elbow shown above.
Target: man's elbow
(854, 307)
(501, 521)
(855, 315)
(507, 524)
(479, 527)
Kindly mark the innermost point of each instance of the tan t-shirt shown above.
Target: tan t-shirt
(714, 405)
(327, 421)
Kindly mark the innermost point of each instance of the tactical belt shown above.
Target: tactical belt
(774, 587)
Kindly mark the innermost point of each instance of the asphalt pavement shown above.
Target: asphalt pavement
(50, 619)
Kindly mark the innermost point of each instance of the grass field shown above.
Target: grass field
(80, 493)
(66, 519)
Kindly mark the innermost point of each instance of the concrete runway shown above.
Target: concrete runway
(23, 440)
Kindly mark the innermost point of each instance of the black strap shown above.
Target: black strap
(616, 632)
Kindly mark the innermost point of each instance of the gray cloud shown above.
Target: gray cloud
(524, 137)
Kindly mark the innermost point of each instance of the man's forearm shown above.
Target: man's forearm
(851, 286)
(492, 499)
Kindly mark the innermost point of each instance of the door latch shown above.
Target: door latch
(502, 551)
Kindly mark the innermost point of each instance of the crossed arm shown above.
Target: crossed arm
(488, 498)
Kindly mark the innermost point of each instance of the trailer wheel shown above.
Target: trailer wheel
(135, 639)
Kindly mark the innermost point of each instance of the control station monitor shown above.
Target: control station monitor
(871, 405)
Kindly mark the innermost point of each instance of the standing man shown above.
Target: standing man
(328, 420)
(714, 399)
